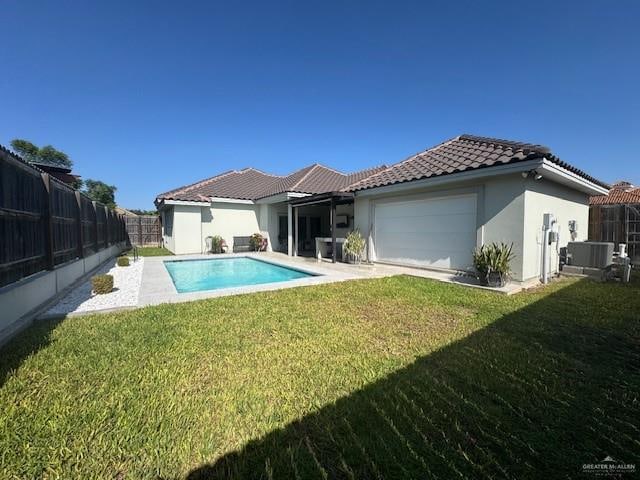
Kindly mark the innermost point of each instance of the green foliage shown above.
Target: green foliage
(102, 284)
(354, 245)
(217, 244)
(150, 252)
(123, 261)
(137, 211)
(257, 242)
(47, 154)
(27, 150)
(100, 192)
(494, 258)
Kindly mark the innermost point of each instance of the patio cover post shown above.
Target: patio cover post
(295, 233)
(289, 230)
(333, 230)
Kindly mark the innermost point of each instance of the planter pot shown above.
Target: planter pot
(352, 259)
(496, 280)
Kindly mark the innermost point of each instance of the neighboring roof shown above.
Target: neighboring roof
(52, 166)
(463, 153)
(621, 192)
(124, 211)
(252, 184)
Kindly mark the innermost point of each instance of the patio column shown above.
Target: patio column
(333, 230)
(295, 232)
(289, 230)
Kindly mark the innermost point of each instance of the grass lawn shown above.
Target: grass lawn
(386, 378)
(150, 252)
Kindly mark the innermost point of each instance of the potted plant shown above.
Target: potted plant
(353, 247)
(493, 263)
(217, 244)
(257, 241)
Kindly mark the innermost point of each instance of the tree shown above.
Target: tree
(25, 149)
(100, 192)
(47, 154)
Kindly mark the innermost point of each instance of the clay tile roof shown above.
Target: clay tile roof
(466, 152)
(621, 193)
(252, 184)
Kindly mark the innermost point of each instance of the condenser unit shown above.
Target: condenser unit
(590, 254)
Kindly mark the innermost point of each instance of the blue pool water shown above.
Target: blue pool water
(212, 274)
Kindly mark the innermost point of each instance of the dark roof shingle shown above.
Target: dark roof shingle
(466, 152)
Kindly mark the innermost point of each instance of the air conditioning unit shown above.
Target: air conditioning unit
(590, 254)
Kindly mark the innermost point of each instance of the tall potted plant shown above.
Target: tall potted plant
(353, 247)
(493, 263)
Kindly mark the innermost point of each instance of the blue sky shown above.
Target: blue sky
(152, 95)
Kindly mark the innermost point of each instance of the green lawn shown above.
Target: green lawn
(387, 378)
(150, 252)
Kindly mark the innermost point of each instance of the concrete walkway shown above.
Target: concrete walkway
(157, 286)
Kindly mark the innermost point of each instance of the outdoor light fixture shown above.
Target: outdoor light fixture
(533, 174)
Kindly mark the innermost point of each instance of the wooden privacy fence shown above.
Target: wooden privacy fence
(44, 222)
(617, 224)
(144, 230)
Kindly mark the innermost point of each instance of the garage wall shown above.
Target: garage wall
(565, 204)
(230, 220)
(500, 215)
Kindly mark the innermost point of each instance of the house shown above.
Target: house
(621, 193)
(615, 217)
(430, 210)
(60, 172)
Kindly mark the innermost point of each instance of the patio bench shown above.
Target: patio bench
(242, 244)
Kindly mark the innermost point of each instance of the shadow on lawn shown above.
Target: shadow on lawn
(25, 344)
(534, 395)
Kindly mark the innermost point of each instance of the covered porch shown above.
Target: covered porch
(317, 225)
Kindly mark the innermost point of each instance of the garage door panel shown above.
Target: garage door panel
(441, 223)
(439, 232)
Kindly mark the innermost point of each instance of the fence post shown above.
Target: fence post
(95, 227)
(48, 222)
(79, 220)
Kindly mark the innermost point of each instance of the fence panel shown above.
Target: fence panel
(89, 239)
(144, 230)
(23, 200)
(64, 212)
(45, 222)
(617, 224)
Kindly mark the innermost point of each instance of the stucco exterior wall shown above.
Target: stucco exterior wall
(500, 211)
(186, 230)
(230, 220)
(565, 204)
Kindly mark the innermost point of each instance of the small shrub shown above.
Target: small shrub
(493, 263)
(218, 244)
(354, 246)
(257, 242)
(123, 261)
(102, 284)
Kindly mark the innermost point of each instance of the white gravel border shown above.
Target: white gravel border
(126, 288)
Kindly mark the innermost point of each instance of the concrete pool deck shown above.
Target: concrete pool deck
(157, 286)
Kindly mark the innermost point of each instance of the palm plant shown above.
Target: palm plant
(353, 246)
(493, 263)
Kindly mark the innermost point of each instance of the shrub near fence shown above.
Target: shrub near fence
(45, 223)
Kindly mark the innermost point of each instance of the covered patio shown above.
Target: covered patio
(320, 234)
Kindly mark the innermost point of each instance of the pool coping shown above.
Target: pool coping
(157, 286)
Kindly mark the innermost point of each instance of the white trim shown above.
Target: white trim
(281, 197)
(185, 202)
(231, 200)
(562, 175)
(454, 177)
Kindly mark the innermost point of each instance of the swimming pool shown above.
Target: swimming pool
(216, 273)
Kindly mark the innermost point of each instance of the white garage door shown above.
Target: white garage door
(435, 232)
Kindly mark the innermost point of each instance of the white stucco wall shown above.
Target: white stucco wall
(230, 220)
(565, 204)
(500, 215)
(510, 210)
